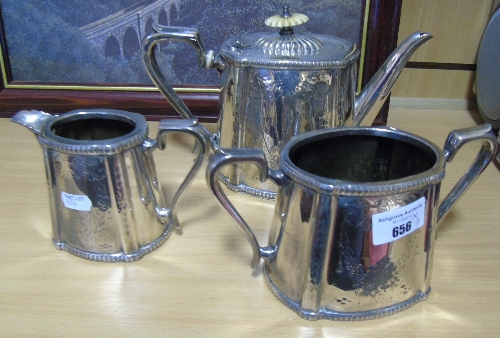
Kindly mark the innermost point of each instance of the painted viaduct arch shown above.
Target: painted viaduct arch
(119, 34)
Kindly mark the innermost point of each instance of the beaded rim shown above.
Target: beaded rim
(324, 313)
(339, 187)
(109, 146)
(248, 51)
(118, 256)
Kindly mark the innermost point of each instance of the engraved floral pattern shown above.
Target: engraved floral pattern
(360, 266)
(121, 199)
(93, 225)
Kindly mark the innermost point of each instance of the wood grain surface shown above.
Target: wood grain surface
(199, 283)
(457, 27)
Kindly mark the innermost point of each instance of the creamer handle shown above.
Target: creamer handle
(224, 157)
(195, 129)
(456, 139)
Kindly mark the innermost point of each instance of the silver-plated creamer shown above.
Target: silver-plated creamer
(278, 85)
(354, 227)
(105, 198)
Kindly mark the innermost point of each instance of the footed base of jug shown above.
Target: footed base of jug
(343, 316)
(118, 256)
(246, 189)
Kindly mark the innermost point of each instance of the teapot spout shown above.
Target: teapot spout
(372, 97)
(34, 120)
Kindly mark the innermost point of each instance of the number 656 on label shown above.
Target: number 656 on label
(391, 225)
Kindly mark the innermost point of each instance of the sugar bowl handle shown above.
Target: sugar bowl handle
(456, 139)
(223, 157)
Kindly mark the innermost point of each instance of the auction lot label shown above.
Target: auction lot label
(391, 225)
(76, 202)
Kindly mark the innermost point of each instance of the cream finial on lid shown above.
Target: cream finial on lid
(286, 19)
(287, 43)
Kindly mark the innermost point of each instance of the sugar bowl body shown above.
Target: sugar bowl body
(355, 220)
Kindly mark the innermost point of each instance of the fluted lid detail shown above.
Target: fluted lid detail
(288, 50)
(289, 45)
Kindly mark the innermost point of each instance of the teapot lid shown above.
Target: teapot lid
(288, 50)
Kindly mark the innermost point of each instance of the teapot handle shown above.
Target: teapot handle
(223, 157)
(456, 139)
(193, 128)
(166, 33)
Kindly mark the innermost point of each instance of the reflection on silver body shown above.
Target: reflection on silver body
(278, 85)
(105, 198)
(264, 108)
(321, 260)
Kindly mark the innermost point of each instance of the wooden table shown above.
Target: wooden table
(200, 282)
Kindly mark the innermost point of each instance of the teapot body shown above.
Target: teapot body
(265, 107)
(276, 85)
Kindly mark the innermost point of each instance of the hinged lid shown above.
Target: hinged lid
(287, 49)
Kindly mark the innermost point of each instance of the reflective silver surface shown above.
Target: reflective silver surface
(340, 192)
(272, 91)
(105, 198)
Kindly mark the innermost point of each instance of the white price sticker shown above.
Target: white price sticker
(76, 202)
(391, 225)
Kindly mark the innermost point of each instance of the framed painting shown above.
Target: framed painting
(61, 55)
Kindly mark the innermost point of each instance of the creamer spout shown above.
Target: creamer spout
(34, 120)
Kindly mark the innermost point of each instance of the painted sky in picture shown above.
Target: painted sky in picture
(94, 41)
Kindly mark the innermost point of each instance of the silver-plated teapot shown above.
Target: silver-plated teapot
(278, 85)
